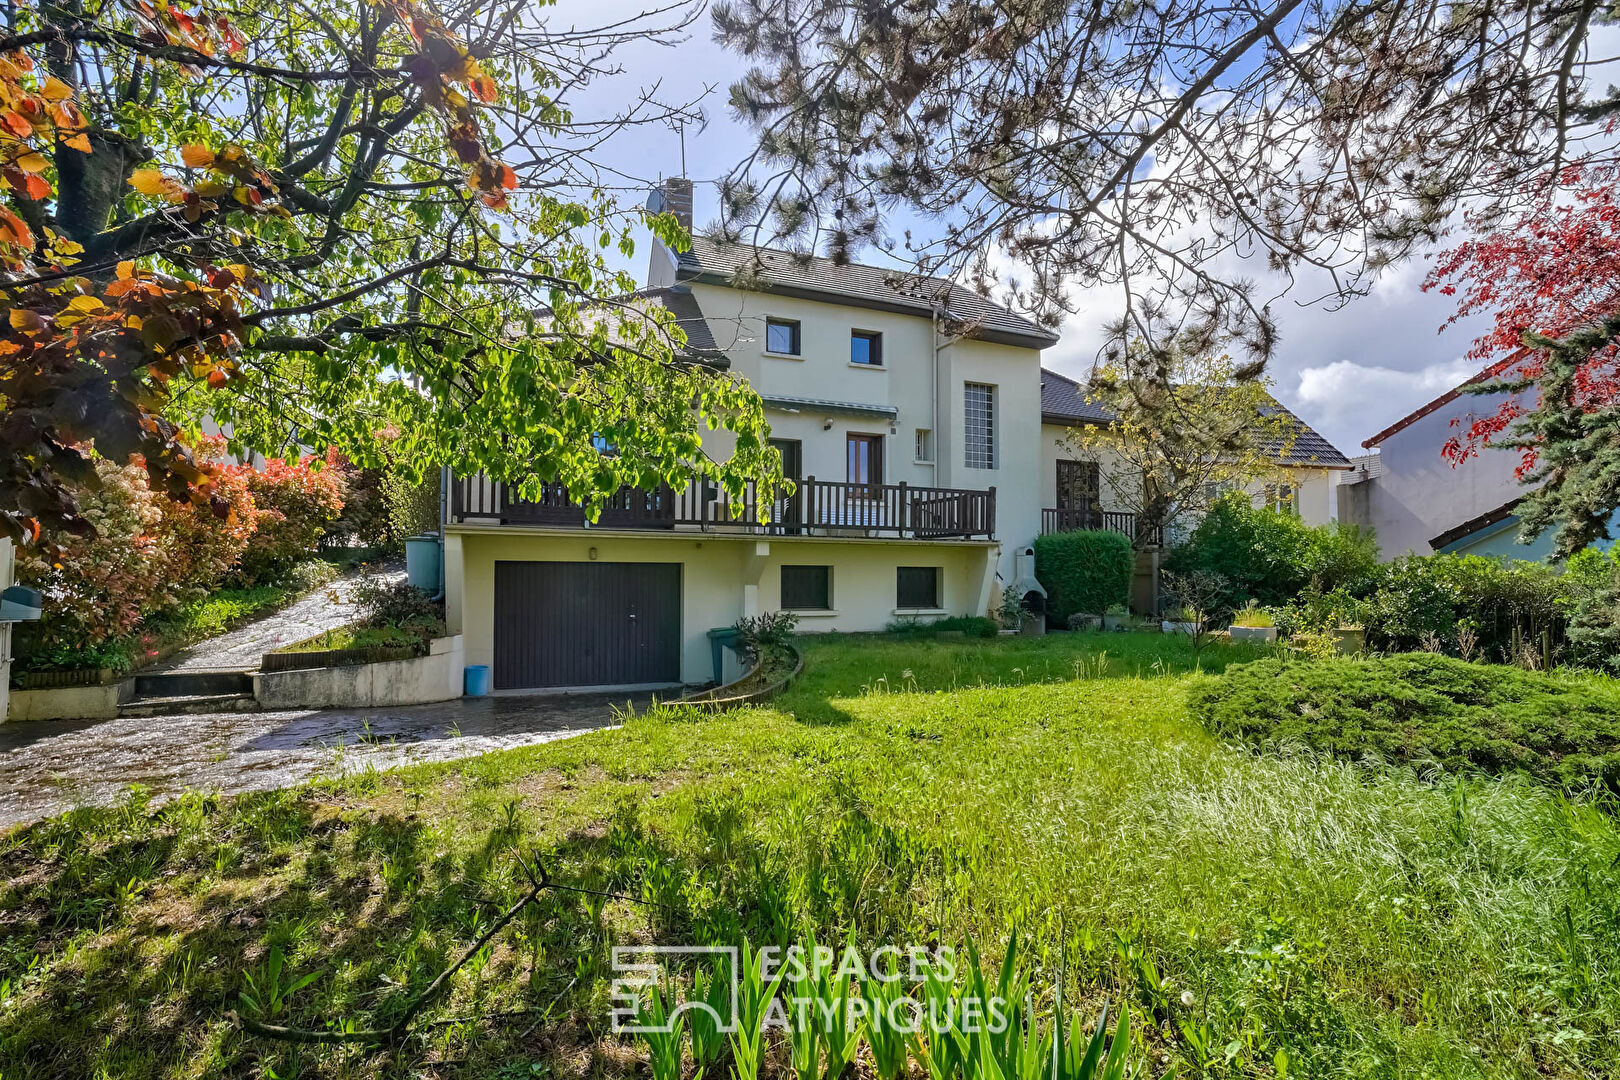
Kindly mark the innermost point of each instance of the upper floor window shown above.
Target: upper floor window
(925, 444)
(979, 425)
(782, 336)
(1281, 498)
(866, 347)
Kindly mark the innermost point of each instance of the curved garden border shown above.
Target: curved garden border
(721, 697)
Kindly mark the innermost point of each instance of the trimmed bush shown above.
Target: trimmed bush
(1270, 557)
(1087, 571)
(1559, 728)
(1497, 603)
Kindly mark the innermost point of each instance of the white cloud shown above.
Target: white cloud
(1348, 402)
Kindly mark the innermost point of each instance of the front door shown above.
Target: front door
(586, 624)
(788, 506)
(1079, 493)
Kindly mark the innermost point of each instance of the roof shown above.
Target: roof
(785, 403)
(1445, 399)
(1475, 524)
(817, 278)
(1064, 401)
(680, 303)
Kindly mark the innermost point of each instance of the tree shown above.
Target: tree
(1157, 147)
(1551, 280)
(1189, 427)
(314, 222)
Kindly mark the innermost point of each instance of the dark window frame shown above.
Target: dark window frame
(792, 598)
(874, 347)
(794, 331)
(874, 456)
(909, 595)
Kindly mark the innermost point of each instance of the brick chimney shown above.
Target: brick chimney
(676, 198)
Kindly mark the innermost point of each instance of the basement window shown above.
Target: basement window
(807, 588)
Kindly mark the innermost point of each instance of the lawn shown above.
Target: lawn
(1324, 918)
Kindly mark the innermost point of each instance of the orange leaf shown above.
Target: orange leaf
(151, 182)
(36, 187)
(16, 123)
(23, 319)
(56, 90)
(126, 269)
(217, 378)
(482, 87)
(196, 155)
(33, 162)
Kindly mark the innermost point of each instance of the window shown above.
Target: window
(925, 444)
(866, 347)
(979, 425)
(865, 457)
(1079, 485)
(916, 587)
(807, 588)
(1280, 497)
(782, 336)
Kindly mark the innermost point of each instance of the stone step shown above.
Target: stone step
(188, 703)
(176, 684)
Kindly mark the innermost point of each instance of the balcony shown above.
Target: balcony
(1087, 517)
(816, 508)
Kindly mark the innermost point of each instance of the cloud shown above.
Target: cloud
(1341, 398)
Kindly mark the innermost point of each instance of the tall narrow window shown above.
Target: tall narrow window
(866, 347)
(979, 425)
(782, 336)
(925, 444)
(865, 456)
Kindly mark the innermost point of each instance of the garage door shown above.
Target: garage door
(586, 624)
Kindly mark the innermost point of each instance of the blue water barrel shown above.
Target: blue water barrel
(422, 563)
(475, 683)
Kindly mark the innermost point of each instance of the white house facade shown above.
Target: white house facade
(913, 417)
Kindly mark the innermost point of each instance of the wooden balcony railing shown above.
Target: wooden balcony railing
(816, 508)
(1087, 517)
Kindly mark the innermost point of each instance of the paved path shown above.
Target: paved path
(52, 766)
(241, 649)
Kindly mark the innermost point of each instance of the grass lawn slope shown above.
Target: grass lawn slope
(1344, 919)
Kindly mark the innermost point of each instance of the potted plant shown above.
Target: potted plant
(1349, 639)
(1253, 623)
(1181, 620)
(1081, 621)
(1117, 617)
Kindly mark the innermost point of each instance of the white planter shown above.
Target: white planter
(1170, 627)
(1264, 635)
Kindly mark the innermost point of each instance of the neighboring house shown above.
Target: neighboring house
(1417, 501)
(1076, 494)
(914, 417)
(906, 409)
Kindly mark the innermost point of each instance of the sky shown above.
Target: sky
(1348, 373)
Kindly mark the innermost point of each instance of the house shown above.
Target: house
(1075, 496)
(1417, 501)
(903, 407)
(913, 415)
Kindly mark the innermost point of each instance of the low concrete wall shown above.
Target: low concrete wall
(71, 702)
(434, 677)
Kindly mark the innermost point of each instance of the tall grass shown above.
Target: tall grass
(1262, 915)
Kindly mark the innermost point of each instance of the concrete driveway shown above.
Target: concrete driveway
(52, 766)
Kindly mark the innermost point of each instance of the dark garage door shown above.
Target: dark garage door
(586, 624)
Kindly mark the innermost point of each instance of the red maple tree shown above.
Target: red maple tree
(1547, 273)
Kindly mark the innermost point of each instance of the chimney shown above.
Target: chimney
(675, 197)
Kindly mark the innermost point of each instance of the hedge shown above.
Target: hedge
(1088, 571)
(1561, 729)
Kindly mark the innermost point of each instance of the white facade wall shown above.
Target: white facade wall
(925, 387)
(1420, 494)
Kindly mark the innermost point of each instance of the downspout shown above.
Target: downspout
(444, 521)
(933, 396)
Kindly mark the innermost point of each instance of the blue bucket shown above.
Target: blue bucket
(475, 683)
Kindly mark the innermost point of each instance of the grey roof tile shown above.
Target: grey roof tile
(768, 268)
(1064, 401)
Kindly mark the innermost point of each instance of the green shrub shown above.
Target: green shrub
(1591, 601)
(1270, 556)
(1087, 571)
(1466, 603)
(1419, 707)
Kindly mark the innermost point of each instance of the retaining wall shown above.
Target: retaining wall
(434, 677)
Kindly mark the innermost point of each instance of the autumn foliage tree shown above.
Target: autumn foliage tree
(1550, 281)
(315, 222)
